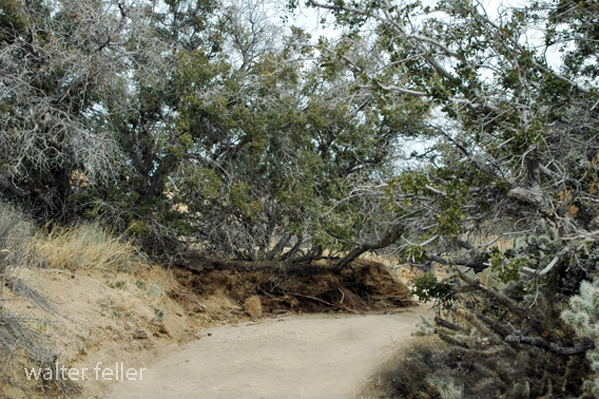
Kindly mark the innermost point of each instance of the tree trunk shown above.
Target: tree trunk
(275, 253)
(291, 253)
(390, 237)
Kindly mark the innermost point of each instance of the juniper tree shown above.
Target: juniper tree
(511, 160)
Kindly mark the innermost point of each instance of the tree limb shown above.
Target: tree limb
(390, 237)
(477, 267)
(549, 346)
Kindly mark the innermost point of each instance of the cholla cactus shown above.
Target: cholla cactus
(583, 316)
(425, 328)
(447, 387)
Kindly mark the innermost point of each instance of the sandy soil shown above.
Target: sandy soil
(93, 320)
(314, 356)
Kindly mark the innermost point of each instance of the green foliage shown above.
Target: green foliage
(13, 20)
(116, 314)
(121, 284)
(428, 289)
(415, 254)
(174, 141)
(505, 266)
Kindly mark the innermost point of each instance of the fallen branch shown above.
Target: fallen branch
(342, 295)
(390, 237)
(551, 264)
(333, 305)
(193, 299)
(497, 327)
(453, 341)
(549, 346)
(477, 267)
(449, 325)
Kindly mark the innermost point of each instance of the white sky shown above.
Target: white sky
(309, 19)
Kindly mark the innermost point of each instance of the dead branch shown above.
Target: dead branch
(333, 305)
(449, 325)
(549, 346)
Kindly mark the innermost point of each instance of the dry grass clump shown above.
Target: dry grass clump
(84, 246)
(253, 307)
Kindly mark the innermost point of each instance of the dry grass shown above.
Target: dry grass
(21, 247)
(84, 246)
(405, 376)
(253, 307)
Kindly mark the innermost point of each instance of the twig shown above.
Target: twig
(193, 299)
(551, 264)
(334, 305)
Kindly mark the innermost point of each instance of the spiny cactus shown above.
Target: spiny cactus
(425, 327)
(583, 316)
(447, 387)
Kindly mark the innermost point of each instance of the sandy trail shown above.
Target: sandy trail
(315, 356)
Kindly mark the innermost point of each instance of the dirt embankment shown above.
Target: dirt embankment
(86, 316)
(315, 287)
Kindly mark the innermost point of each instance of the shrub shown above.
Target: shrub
(428, 289)
(15, 235)
(499, 346)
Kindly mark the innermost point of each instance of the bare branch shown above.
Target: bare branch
(549, 346)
